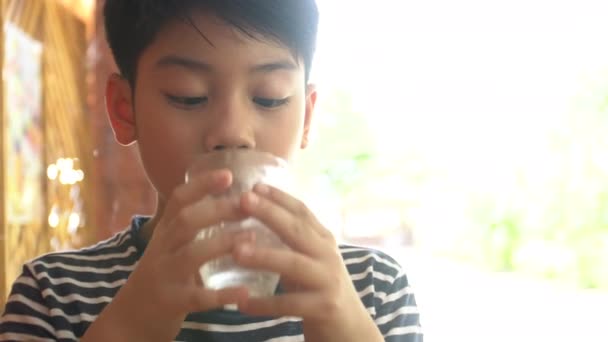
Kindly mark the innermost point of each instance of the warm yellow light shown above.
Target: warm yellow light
(79, 176)
(53, 219)
(60, 163)
(64, 178)
(84, 9)
(73, 223)
(52, 171)
(64, 170)
(68, 164)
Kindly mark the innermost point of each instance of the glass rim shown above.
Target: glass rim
(234, 160)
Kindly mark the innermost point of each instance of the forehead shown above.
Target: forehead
(207, 38)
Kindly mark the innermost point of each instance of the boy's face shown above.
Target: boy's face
(192, 97)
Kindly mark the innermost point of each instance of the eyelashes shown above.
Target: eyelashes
(193, 102)
(186, 102)
(270, 103)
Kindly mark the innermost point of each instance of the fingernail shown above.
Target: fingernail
(246, 249)
(262, 189)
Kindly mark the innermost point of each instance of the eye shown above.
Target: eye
(186, 102)
(270, 103)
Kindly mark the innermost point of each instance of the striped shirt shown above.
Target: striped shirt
(59, 295)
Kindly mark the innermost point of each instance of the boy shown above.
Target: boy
(198, 76)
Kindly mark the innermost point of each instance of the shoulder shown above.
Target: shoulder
(377, 276)
(373, 272)
(385, 291)
(362, 261)
(114, 254)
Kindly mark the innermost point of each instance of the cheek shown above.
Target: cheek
(165, 146)
(283, 136)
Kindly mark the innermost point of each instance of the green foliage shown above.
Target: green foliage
(554, 225)
(342, 148)
(542, 210)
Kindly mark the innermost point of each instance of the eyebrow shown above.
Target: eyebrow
(274, 66)
(196, 65)
(183, 62)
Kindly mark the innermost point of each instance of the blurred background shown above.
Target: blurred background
(467, 139)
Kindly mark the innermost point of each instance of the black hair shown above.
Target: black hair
(132, 25)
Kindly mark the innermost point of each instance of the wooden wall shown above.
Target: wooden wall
(65, 135)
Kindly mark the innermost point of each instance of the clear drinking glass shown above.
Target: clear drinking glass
(248, 168)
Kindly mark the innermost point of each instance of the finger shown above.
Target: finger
(303, 305)
(201, 215)
(291, 204)
(203, 299)
(292, 266)
(197, 187)
(290, 286)
(193, 255)
(292, 230)
(296, 231)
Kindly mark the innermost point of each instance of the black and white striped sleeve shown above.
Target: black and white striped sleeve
(26, 317)
(397, 314)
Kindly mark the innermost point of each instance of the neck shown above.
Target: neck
(148, 229)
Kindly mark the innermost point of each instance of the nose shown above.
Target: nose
(231, 128)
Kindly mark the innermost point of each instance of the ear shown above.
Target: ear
(311, 101)
(119, 105)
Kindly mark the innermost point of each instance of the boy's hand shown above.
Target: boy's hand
(165, 286)
(320, 289)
